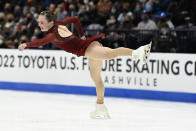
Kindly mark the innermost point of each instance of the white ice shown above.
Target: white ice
(30, 111)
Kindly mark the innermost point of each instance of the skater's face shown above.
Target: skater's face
(44, 24)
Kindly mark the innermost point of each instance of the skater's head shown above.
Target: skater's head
(46, 20)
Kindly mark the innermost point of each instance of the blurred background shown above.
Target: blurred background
(169, 75)
(171, 24)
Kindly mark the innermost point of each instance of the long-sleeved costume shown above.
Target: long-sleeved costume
(71, 43)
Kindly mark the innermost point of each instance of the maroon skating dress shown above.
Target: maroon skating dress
(71, 44)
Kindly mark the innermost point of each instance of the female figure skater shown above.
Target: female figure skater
(59, 35)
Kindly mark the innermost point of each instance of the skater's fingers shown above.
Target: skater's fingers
(21, 47)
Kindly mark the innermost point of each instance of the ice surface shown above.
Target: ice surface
(30, 111)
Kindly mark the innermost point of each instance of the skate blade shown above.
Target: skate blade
(101, 117)
(106, 116)
(147, 52)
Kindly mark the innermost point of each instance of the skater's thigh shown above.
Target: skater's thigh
(96, 51)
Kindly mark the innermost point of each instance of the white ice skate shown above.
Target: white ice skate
(142, 53)
(100, 112)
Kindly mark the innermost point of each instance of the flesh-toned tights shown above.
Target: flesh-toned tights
(96, 53)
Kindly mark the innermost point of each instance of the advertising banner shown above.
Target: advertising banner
(164, 72)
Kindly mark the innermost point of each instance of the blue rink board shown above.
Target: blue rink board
(113, 92)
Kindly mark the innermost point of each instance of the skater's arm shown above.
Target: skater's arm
(36, 43)
(75, 21)
(40, 42)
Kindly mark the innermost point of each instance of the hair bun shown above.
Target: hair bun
(50, 16)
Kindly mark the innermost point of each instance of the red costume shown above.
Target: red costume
(72, 44)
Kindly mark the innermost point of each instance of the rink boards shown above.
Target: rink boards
(169, 77)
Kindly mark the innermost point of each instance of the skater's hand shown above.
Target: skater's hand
(22, 46)
(83, 37)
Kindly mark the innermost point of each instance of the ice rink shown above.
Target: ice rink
(30, 111)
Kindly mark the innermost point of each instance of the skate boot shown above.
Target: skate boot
(100, 112)
(142, 53)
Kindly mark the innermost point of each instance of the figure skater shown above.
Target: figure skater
(59, 35)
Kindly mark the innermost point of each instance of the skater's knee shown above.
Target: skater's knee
(96, 78)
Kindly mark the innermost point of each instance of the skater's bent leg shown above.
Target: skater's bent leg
(95, 72)
(97, 51)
